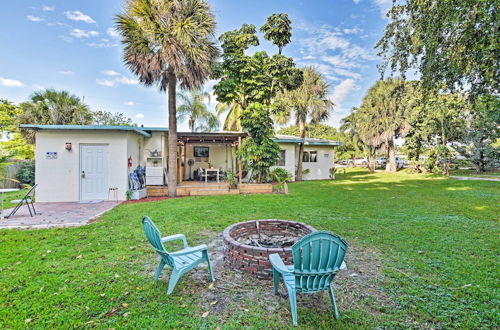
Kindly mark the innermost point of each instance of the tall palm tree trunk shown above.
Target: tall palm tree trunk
(172, 134)
(391, 157)
(301, 150)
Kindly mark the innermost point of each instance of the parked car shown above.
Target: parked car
(381, 161)
(399, 163)
(358, 161)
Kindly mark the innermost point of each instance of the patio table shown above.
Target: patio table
(4, 191)
(211, 170)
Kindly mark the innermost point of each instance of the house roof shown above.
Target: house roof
(307, 141)
(134, 129)
(191, 136)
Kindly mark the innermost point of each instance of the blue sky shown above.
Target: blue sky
(71, 45)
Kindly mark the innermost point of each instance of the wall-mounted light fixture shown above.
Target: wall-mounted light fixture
(68, 146)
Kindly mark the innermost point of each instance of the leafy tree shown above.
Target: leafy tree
(308, 101)
(168, 42)
(14, 144)
(259, 152)
(437, 122)
(51, 107)
(481, 132)
(8, 114)
(249, 83)
(112, 119)
(454, 43)
(278, 30)
(193, 107)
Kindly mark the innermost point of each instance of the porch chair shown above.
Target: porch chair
(317, 258)
(27, 199)
(181, 261)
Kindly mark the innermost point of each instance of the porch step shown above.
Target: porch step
(157, 191)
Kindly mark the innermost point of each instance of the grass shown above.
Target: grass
(438, 239)
(9, 197)
(472, 173)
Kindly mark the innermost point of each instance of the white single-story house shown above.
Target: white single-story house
(88, 162)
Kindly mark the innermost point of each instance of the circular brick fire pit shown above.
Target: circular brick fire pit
(247, 245)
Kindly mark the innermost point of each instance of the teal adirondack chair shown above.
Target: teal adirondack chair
(317, 258)
(181, 261)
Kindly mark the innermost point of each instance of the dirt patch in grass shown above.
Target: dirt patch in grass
(357, 289)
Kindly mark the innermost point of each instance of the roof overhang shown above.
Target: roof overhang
(309, 143)
(133, 129)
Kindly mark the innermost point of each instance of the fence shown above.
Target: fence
(9, 174)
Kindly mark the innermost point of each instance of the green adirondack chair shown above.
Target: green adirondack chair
(317, 258)
(180, 261)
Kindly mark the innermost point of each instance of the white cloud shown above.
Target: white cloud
(112, 33)
(126, 81)
(340, 61)
(48, 8)
(66, 72)
(105, 82)
(78, 16)
(35, 18)
(342, 90)
(10, 82)
(347, 73)
(129, 103)
(356, 1)
(355, 30)
(77, 33)
(110, 73)
(384, 6)
(116, 79)
(139, 116)
(104, 43)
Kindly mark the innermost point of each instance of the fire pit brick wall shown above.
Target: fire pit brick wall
(254, 260)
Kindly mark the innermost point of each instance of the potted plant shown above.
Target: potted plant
(231, 179)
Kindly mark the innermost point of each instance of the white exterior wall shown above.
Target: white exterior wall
(321, 169)
(219, 156)
(290, 159)
(59, 179)
(157, 141)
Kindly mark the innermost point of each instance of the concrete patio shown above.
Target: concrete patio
(50, 215)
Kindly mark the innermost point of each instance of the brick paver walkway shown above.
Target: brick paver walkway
(56, 215)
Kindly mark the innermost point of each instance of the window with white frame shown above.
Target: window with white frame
(310, 157)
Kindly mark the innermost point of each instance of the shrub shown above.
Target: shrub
(26, 173)
(280, 175)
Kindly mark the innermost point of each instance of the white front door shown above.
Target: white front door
(93, 172)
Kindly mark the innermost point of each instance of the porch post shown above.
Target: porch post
(240, 174)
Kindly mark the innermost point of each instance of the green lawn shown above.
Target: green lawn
(472, 173)
(13, 196)
(437, 240)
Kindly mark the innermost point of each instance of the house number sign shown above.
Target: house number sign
(51, 155)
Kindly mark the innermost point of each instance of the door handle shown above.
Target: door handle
(83, 174)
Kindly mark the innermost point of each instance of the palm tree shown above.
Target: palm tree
(385, 114)
(51, 107)
(193, 107)
(233, 110)
(168, 42)
(309, 101)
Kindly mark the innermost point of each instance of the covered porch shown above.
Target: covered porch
(203, 161)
